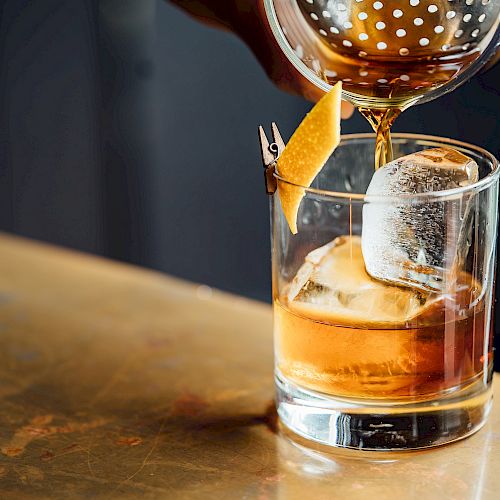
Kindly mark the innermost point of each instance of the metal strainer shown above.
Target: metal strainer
(387, 52)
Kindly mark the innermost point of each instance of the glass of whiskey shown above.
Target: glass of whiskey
(373, 364)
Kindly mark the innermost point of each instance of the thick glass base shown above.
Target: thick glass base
(382, 425)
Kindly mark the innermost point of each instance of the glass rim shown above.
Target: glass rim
(442, 195)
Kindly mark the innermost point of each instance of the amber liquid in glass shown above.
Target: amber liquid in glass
(440, 349)
(366, 362)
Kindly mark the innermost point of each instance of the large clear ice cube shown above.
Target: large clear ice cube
(332, 285)
(417, 242)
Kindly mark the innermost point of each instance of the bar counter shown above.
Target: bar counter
(119, 382)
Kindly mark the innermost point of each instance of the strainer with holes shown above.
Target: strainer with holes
(388, 53)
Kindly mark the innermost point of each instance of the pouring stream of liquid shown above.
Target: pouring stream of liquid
(381, 121)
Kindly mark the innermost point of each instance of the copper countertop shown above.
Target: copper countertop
(117, 382)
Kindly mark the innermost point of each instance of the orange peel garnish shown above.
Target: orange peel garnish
(307, 152)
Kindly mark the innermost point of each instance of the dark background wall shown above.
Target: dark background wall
(129, 130)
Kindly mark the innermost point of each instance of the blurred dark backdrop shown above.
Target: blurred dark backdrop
(129, 130)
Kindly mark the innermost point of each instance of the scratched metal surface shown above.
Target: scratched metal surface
(121, 383)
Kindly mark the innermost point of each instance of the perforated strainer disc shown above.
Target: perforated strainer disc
(386, 52)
